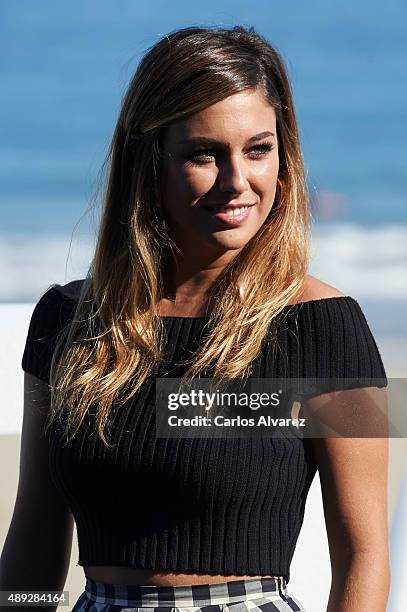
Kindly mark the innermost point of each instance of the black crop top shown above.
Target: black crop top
(227, 506)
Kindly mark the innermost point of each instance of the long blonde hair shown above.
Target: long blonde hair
(116, 335)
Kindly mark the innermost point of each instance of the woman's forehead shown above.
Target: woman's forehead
(241, 115)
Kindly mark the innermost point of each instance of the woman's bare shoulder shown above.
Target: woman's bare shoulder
(316, 289)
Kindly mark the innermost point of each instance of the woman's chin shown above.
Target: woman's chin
(228, 243)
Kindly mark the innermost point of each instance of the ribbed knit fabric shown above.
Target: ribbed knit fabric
(229, 506)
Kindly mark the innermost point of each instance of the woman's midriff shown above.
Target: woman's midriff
(135, 576)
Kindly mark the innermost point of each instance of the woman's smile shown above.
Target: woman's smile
(230, 216)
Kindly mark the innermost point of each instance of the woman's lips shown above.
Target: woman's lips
(225, 217)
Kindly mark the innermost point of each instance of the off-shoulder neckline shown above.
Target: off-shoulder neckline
(293, 306)
(206, 317)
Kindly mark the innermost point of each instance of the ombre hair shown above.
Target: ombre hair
(117, 335)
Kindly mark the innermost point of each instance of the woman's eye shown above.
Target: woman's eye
(203, 156)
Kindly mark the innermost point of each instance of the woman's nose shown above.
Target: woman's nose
(232, 176)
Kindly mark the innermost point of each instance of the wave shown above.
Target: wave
(362, 261)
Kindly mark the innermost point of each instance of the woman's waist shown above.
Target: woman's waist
(142, 576)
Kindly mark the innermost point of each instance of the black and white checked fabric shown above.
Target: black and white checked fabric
(252, 595)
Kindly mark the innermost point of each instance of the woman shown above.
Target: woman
(200, 269)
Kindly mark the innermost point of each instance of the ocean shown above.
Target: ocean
(66, 67)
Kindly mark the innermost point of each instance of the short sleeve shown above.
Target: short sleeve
(338, 348)
(344, 391)
(50, 316)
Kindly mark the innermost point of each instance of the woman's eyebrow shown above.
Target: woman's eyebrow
(202, 140)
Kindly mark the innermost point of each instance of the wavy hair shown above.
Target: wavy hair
(117, 335)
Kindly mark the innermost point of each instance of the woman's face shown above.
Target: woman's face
(223, 156)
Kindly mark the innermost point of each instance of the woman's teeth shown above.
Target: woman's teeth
(232, 212)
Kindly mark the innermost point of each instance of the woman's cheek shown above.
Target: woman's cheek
(199, 183)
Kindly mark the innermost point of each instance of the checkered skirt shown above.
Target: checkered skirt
(254, 595)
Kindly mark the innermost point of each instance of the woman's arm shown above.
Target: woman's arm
(353, 476)
(37, 548)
